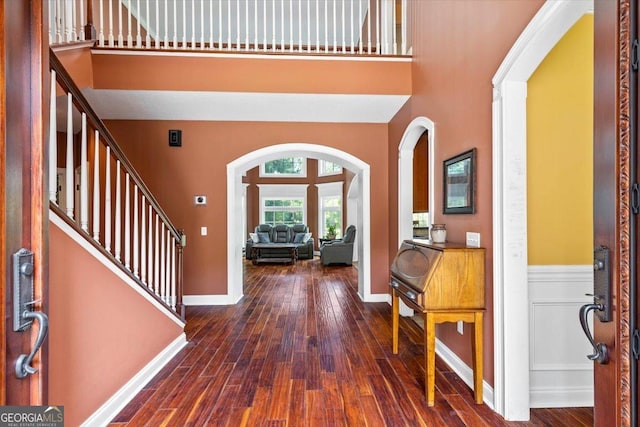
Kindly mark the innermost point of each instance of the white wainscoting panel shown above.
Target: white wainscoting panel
(560, 373)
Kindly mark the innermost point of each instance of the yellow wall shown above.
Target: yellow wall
(560, 152)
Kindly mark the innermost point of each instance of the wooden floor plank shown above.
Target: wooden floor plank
(302, 349)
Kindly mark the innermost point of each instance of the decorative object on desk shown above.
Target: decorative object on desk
(438, 233)
(459, 183)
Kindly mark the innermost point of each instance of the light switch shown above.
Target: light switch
(203, 231)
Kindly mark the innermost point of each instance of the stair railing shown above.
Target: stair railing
(373, 27)
(95, 189)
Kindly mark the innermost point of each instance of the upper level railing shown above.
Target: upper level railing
(376, 27)
(95, 189)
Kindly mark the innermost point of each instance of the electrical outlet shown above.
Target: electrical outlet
(460, 327)
(203, 231)
(200, 200)
(473, 239)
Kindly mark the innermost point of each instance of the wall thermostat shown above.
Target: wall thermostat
(200, 200)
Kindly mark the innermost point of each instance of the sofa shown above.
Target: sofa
(339, 251)
(282, 233)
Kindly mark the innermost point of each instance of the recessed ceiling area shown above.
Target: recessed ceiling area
(113, 104)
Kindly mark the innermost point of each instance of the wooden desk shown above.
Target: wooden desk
(445, 283)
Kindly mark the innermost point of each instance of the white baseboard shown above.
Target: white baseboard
(122, 397)
(565, 397)
(463, 371)
(209, 299)
(376, 298)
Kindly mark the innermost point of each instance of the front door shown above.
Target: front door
(23, 210)
(613, 211)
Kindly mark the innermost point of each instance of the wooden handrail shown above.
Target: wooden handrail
(66, 82)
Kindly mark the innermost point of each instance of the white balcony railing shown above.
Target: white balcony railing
(296, 26)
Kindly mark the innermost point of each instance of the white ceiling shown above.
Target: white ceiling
(236, 106)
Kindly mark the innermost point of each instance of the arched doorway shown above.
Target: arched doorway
(510, 299)
(236, 168)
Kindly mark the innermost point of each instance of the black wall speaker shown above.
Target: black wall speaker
(175, 138)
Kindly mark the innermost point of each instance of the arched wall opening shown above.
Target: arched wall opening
(511, 320)
(410, 138)
(235, 191)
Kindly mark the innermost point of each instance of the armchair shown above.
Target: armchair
(339, 251)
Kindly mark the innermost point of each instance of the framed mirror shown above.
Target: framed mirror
(459, 183)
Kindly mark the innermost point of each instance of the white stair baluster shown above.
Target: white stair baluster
(344, 31)
(317, 25)
(282, 25)
(351, 25)
(127, 223)
(264, 24)
(143, 241)
(136, 233)
(71, 16)
(273, 26)
(184, 24)
(96, 186)
(326, 26)
(111, 40)
(175, 25)
(255, 25)
(246, 26)
(69, 167)
(219, 24)
(53, 142)
(237, 25)
(107, 201)
(84, 178)
(129, 31)
(150, 281)
(404, 27)
(299, 26)
(117, 215)
(369, 27)
(101, 29)
(82, 21)
(335, 29)
(156, 261)
(138, 35)
(291, 25)
(229, 25)
(173, 275)
(392, 28)
(166, 24)
(120, 35)
(147, 37)
(378, 20)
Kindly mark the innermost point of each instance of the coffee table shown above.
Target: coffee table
(257, 256)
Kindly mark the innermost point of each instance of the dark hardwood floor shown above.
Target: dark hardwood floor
(301, 349)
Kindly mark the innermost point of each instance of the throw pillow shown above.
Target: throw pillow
(306, 237)
(264, 238)
(254, 237)
(298, 238)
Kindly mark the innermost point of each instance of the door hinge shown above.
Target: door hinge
(635, 344)
(634, 55)
(635, 198)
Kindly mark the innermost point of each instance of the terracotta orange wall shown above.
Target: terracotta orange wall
(251, 74)
(78, 64)
(102, 332)
(175, 175)
(457, 48)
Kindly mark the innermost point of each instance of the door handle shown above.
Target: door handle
(600, 350)
(23, 364)
(23, 312)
